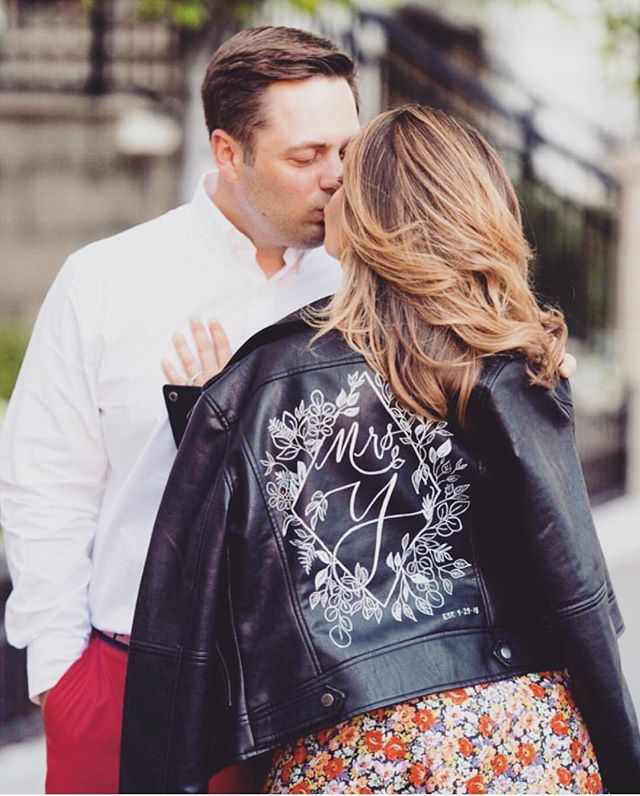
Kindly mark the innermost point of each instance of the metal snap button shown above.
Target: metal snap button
(173, 396)
(327, 700)
(505, 652)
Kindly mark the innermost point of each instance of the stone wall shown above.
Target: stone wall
(74, 169)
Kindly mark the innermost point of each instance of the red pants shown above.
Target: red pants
(83, 724)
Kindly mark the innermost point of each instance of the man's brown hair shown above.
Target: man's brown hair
(246, 64)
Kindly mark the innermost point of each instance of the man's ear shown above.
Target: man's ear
(227, 153)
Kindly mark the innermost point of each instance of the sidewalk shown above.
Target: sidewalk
(22, 765)
(618, 524)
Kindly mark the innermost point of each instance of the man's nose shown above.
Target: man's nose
(331, 180)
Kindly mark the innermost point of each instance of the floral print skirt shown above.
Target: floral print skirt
(520, 735)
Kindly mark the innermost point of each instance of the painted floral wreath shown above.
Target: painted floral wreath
(424, 567)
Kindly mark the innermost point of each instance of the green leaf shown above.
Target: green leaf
(190, 15)
(309, 6)
(13, 342)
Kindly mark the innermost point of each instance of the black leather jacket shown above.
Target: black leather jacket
(320, 552)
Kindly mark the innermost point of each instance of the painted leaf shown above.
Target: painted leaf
(322, 575)
(406, 610)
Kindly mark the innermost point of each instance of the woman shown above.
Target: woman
(375, 554)
(429, 233)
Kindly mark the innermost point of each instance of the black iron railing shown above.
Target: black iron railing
(98, 49)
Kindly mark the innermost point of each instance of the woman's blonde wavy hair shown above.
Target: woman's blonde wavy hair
(435, 263)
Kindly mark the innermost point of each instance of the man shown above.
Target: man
(86, 449)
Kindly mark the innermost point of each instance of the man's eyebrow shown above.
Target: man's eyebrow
(308, 145)
(315, 145)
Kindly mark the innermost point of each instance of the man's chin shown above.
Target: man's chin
(313, 237)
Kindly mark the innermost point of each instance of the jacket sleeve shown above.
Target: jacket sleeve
(530, 430)
(173, 680)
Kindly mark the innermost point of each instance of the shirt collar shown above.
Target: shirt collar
(219, 229)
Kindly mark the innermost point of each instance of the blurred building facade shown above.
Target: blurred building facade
(90, 120)
(102, 128)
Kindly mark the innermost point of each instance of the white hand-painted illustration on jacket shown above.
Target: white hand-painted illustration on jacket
(408, 568)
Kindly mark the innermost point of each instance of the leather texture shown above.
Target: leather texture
(320, 552)
(179, 400)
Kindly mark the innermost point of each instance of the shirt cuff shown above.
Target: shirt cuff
(48, 658)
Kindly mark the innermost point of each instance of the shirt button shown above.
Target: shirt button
(505, 652)
(173, 396)
(327, 700)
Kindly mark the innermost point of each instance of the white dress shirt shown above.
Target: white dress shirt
(86, 446)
